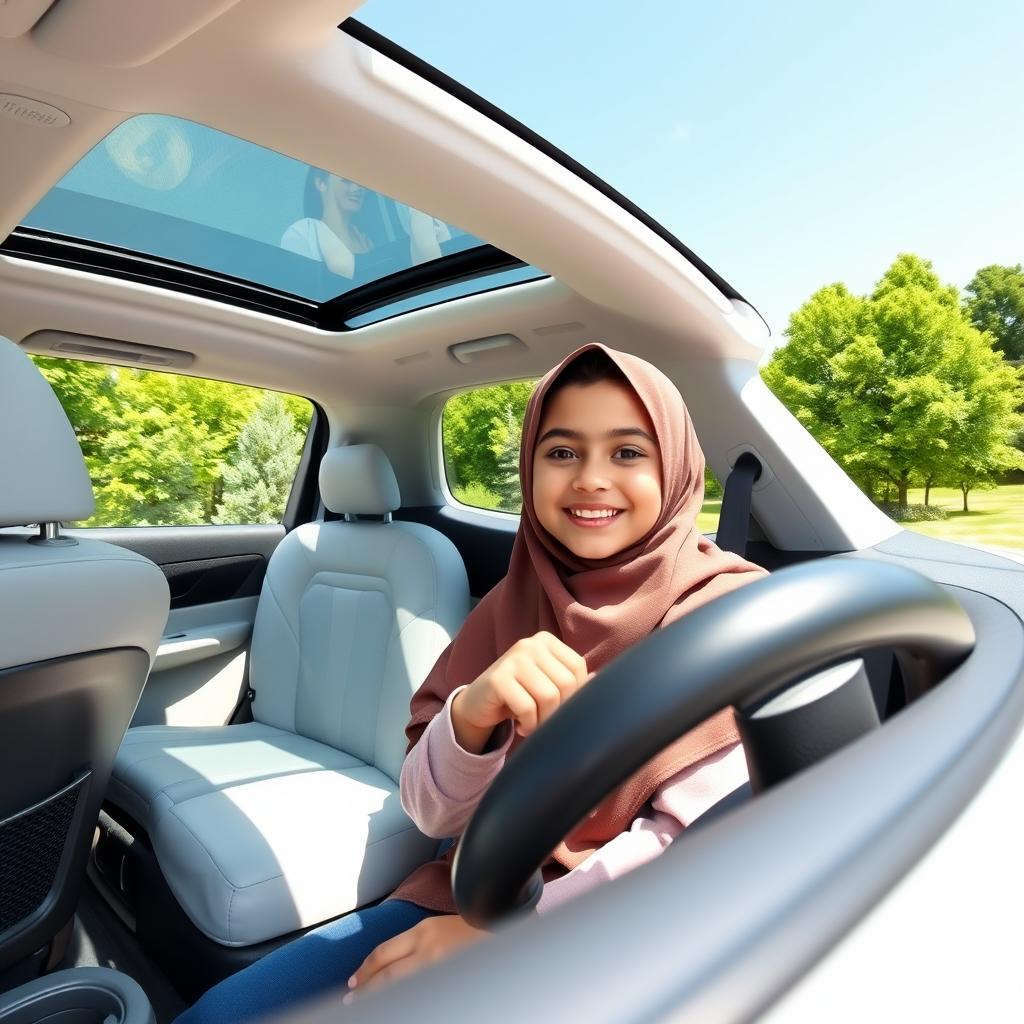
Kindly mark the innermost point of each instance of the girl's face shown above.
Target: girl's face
(596, 469)
(346, 195)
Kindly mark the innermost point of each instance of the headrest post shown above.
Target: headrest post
(50, 535)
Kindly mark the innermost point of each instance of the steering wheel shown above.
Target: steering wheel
(738, 650)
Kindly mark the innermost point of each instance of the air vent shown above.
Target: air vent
(482, 348)
(67, 343)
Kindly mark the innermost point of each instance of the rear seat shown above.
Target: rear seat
(264, 828)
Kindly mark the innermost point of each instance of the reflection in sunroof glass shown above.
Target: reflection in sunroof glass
(184, 192)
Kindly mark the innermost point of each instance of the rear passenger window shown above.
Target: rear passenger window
(169, 450)
(480, 433)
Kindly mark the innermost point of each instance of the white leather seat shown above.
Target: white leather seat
(294, 818)
(80, 621)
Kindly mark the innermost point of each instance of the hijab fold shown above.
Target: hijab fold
(598, 607)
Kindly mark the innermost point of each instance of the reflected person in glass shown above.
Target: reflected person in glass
(328, 232)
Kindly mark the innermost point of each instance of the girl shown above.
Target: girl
(328, 233)
(607, 551)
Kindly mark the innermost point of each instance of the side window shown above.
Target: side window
(480, 433)
(707, 519)
(170, 450)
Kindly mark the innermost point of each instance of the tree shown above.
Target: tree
(506, 432)
(469, 421)
(897, 385)
(981, 444)
(995, 303)
(258, 475)
(88, 394)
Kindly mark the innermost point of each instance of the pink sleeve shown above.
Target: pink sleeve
(678, 802)
(441, 783)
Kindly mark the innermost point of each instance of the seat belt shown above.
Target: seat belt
(734, 519)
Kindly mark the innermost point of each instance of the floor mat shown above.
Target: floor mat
(100, 939)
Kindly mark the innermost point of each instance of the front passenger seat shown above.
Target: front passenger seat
(275, 825)
(80, 621)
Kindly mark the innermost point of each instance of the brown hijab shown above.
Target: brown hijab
(597, 607)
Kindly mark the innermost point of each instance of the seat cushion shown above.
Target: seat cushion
(161, 765)
(259, 831)
(258, 860)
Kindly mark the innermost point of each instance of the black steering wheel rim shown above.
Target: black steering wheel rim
(738, 650)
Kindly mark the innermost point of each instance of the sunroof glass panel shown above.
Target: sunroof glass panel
(461, 289)
(170, 188)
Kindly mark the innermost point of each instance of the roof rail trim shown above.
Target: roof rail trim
(126, 264)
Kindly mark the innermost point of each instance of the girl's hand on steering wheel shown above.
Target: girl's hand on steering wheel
(425, 943)
(528, 684)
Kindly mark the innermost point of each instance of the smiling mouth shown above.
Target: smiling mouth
(593, 519)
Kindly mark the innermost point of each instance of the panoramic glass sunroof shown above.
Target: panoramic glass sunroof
(180, 191)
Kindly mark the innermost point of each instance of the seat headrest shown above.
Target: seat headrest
(357, 479)
(43, 478)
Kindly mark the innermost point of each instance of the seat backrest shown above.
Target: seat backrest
(353, 616)
(80, 622)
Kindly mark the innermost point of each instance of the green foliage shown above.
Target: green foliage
(259, 473)
(912, 513)
(476, 495)
(480, 431)
(899, 385)
(995, 303)
(506, 434)
(156, 443)
(712, 488)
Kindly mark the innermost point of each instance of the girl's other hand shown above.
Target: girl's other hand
(528, 684)
(430, 940)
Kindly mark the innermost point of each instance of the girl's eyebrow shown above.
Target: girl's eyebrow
(576, 435)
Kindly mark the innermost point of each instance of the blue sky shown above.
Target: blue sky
(789, 144)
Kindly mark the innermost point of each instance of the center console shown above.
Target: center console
(82, 995)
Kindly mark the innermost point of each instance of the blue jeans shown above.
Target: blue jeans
(320, 960)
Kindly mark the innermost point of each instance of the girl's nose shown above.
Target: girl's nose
(588, 479)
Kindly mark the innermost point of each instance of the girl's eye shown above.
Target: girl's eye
(561, 454)
(629, 454)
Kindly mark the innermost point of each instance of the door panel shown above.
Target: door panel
(201, 666)
(215, 574)
(168, 545)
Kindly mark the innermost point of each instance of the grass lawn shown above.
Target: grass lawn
(707, 518)
(996, 518)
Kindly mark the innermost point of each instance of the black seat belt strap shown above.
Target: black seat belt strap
(734, 519)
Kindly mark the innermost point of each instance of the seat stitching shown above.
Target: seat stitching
(280, 608)
(209, 856)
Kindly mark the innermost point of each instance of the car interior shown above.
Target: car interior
(203, 725)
